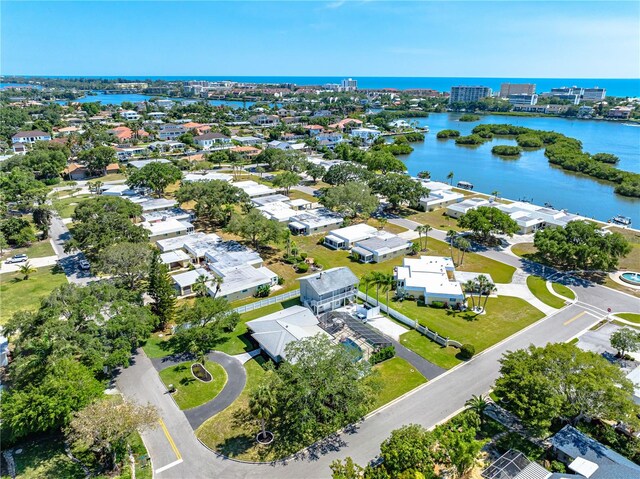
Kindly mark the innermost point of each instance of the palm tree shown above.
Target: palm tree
(469, 287)
(366, 281)
(495, 194)
(478, 404)
(26, 270)
(463, 244)
(217, 280)
(286, 236)
(377, 279)
(420, 230)
(451, 235)
(200, 286)
(383, 222)
(386, 282)
(425, 230)
(489, 288)
(450, 177)
(262, 405)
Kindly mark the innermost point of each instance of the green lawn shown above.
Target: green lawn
(45, 458)
(633, 317)
(229, 431)
(39, 249)
(538, 287)
(18, 294)
(563, 290)
(505, 315)
(191, 392)
(66, 206)
(445, 357)
(236, 342)
(397, 377)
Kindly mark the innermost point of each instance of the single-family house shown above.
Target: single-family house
(381, 247)
(130, 115)
(170, 131)
(242, 281)
(430, 277)
(19, 148)
(208, 176)
(76, 171)
(30, 136)
(344, 238)
(328, 290)
(314, 130)
(456, 210)
(329, 139)
(440, 195)
(176, 259)
(589, 458)
(142, 163)
(254, 189)
(346, 124)
(211, 140)
(167, 229)
(315, 221)
(367, 135)
(275, 331)
(248, 140)
(247, 151)
(280, 145)
(180, 242)
(265, 120)
(184, 282)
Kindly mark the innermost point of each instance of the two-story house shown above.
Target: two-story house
(30, 136)
(210, 140)
(171, 132)
(328, 290)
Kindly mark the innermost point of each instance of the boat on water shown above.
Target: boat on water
(621, 220)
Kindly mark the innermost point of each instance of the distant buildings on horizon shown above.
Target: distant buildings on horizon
(525, 93)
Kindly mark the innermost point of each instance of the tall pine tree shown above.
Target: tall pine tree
(161, 290)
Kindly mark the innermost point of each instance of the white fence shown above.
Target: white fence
(412, 323)
(267, 301)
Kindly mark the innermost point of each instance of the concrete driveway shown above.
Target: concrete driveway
(34, 262)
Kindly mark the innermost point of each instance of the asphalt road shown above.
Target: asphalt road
(70, 262)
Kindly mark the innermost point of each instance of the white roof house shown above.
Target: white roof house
(175, 213)
(243, 279)
(275, 331)
(344, 238)
(458, 209)
(315, 221)
(279, 211)
(176, 256)
(118, 190)
(430, 276)
(189, 177)
(143, 163)
(381, 247)
(179, 242)
(167, 228)
(156, 204)
(227, 255)
(199, 247)
(184, 281)
(254, 189)
(265, 200)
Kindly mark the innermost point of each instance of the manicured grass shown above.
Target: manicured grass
(229, 432)
(524, 250)
(301, 195)
(66, 206)
(563, 290)
(191, 392)
(436, 219)
(633, 317)
(504, 316)
(18, 294)
(397, 377)
(156, 346)
(39, 249)
(538, 287)
(445, 357)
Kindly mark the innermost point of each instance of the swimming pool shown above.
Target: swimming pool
(350, 345)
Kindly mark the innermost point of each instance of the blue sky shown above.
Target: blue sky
(341, 38)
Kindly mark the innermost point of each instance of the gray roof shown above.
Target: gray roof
(611, 465)
(330, 280)
(381, 243)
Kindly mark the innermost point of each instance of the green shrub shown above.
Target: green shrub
(467, 351)
(303, 256)
(302, 267)
(263, 291)
(437, 304)
(280, 280)
(382, 355)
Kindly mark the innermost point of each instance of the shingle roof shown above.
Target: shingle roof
(331, 280)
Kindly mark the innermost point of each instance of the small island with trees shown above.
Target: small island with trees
(446, 134)
(506, 150)
(469, 117)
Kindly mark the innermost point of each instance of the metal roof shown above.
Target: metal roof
(330, 280)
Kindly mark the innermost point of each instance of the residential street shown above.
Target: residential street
(59, 234)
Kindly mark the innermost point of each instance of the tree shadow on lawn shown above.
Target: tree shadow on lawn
(466, 315)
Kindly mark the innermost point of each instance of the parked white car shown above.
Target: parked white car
(19, 258)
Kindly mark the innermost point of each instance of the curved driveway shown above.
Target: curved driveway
(236, 379)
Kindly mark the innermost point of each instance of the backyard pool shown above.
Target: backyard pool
(352, 347)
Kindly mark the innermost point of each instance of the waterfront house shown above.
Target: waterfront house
(368, 135)
(456, 210)
(620, 112)
(440, 195)
(430, 277)
(328, 290)
(275, 331)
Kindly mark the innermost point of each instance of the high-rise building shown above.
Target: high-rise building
(508, 89)
(468, 93)
(523, 99)
(594, 94)
(349, 84)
